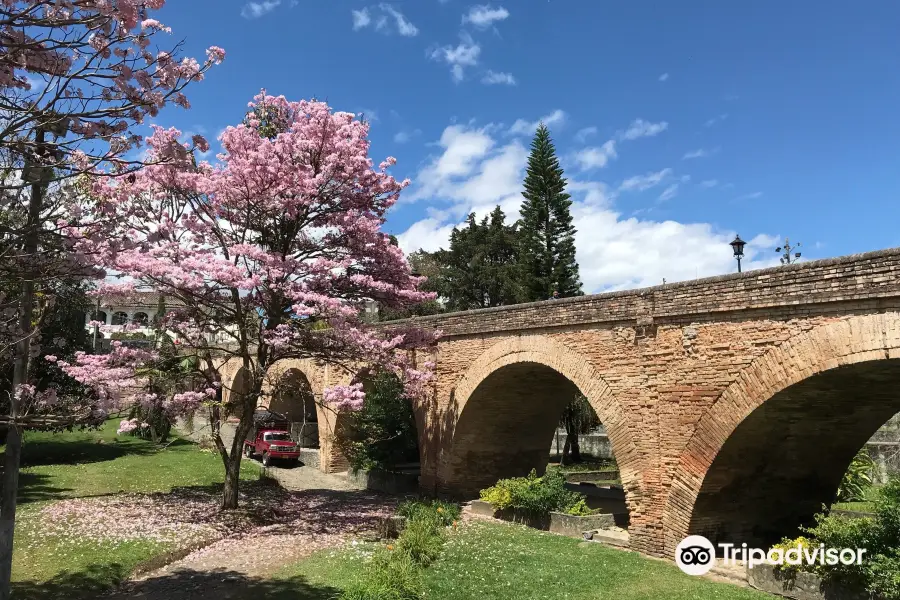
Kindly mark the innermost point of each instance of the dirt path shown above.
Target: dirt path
(309, 478)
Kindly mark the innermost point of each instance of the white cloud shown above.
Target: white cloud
(664, 77)
(669, 193)
(361, 19)
(383, 16)
(484, 16)
(404, 27)
(750, 196)
(640, 128)
(597, 156)
(639, 183)
(715, 120)
(458, 57)
(474, 173)
(254, 10)
(596, 193)
(699, 153)
(463, 148)
(709, 183)
(401, 137)
(428, 234)
(585, 133)
(494, 78)
(523, 127)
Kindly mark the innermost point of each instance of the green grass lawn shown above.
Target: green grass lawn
(96, 463)
(490, 561)
(588, 464)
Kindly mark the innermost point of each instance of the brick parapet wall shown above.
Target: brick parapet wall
(848, 280)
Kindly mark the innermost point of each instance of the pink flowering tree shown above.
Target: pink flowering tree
(273, 253)
(76, 79)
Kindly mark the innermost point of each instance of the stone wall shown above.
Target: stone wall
(675, 373)
(595, 444)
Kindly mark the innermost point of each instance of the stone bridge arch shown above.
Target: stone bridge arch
(791, 421)
(486, 440)
(234, 379)
(318, 376)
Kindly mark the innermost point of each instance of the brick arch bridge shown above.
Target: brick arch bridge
(733, 404)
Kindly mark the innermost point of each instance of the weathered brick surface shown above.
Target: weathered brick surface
(673, 372)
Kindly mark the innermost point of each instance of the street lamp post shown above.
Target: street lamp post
(738, 246)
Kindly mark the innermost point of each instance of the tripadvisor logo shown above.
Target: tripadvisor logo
(696, 555)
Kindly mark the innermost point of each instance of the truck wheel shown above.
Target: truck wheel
(248, 450)
(266, 459)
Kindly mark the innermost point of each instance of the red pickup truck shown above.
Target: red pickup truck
(272, 444)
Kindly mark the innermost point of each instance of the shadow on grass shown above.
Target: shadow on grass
(88, 583)
(183, 584)
(35, 487)
(67, 452)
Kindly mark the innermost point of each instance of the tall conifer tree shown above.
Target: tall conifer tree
(547, 235)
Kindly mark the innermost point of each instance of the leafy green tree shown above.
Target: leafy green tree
(578, 417)
(480, 269)
(547, 258)
(383, 432)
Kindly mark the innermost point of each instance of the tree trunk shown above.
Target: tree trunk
(8, 507)
(565, 452)
(232, 460)
(576, 449)
(10, 478)
(232, 481)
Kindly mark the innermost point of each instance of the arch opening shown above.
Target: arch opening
(233, 395)
(294, 398)
(786, 459)
(512, 423)
(120, 318)
(384, 433)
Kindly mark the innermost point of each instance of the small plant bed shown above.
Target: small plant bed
(543, 503)
(878, 577)
(490, 560)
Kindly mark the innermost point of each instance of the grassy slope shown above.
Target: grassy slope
(93, 463)
(499, 561)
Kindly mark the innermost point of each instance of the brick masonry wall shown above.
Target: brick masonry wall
(671, 371)
(859, 277)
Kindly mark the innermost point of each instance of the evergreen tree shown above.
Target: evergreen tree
(547, 235)
(480, 269)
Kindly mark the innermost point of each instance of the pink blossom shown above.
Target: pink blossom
(127, 426)
(215, 54)
(345, 397)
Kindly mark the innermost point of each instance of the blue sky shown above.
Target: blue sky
(678, 123)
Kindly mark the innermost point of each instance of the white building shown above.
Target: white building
(134, 315)
(137, 315)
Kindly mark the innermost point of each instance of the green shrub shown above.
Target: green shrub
(884, 575)
(422, 539)
(532, 494)
(788, 543)
(879, 535)
(580, 509)
(392, 576)
(858, 478)
(445, 512)
(383, 432)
